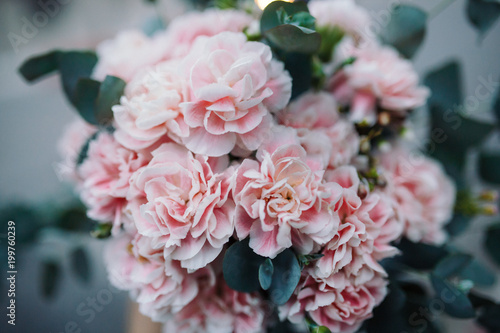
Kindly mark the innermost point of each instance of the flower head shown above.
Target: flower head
(183, 204)
(234, 85)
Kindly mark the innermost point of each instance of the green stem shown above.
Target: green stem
(439, 8)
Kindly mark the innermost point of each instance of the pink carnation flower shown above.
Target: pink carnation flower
(424, 193)
(105, 175)
(343, 14)
(378, 76)
(283, 201)
(185, 205)
(363, 238)
(219, 309)
(234, 85)
(342, 310)
(322, 130)
(127, 54)
(366, 229)
(150, 109)
(160, 286)
(183, 31)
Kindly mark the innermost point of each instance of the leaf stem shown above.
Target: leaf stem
(439, 8)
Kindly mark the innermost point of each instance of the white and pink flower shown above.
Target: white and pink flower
(105, 174)
(379, 77)
(185, 205)
(367, 228)
(282, 201)
(424, 193)
(128, 54)
(342, 310)
(159, 285)
(322, 130)
(219, 309)
(234, 85)
(184, 30)
(346, 15)
(149, 112)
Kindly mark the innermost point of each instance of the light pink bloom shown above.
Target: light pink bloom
(234, 85)
(105, 175)
(322, 130)
(219, 309)
(311, 110)
(346, 15)
(424, 193)
(378, 76)
(185, 206)
(70, 146)
(354, 251)
(367, 227)
(342, 310)
(160, 286)
(282, 201)
(150, 109)
(183, 31)
(127, 54)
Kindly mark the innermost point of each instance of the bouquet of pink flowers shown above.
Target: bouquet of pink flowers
(252, 167)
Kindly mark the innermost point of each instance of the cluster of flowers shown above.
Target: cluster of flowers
(206, 148)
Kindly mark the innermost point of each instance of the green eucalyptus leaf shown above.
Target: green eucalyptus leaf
(50, 278)
(406, 29)
(29, 222)
(291, 38)
(448, 127)
(73, 219)
(80, 264)
(286, 277)
(496, 107)
(482, 14)
(458, 224)
(272, 16)
(301, 19)
(453, 161)
(452, 265)
(420, 256)
(446, 85)
(300, 67)
(479, 274)
(74, 65)
(489, 167)
(102, 230)
(492, 242)
(241, 267)
(110, 91)
(39, 66)
(266, 270)
(84, 99)
(456, 303)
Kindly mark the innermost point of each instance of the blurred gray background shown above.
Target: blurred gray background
(32, 118)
